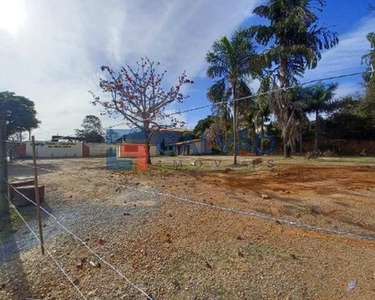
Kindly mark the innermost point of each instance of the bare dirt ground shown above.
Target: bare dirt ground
(178, 250)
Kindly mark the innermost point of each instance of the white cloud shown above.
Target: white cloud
(345, 58)
(54, 57)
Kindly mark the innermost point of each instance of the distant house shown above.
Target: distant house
(161, 137)
(191, 147)
(61, 138)
(135, 137)
(139, 137)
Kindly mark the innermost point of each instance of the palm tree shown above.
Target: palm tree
(229, 62)
(320, 100)
(262, 107)
(220, 96)
(369, 58)
(297, 41)
(367, 106)
(299, 96)
(255, 111)
(247, 109)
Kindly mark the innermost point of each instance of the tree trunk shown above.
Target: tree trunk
(316, 142)
(300, 141)
(148, 154)
(234, 125)
(262, 132)
(287, 149)
(285, 108)
(148, 136)
(253, 134)
(4, 205)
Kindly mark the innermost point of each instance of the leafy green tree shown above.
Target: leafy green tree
(369, 58)
(111, 136)
(348, 121)
(91, 131)
(299, 120)
(202, 125)
(187, 136)
(320, 100)
(220, 95)
(262, 110)
(367, 106)
(248, 111)
(19, 111)
(229, 61)
(349, 104)
(295, 41)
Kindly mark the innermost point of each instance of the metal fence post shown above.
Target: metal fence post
(37, 199)
(4, 205)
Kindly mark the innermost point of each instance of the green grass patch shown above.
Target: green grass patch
(12, 223)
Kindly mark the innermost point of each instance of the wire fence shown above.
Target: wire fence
(83, 243)
(179, 198)
(47, 251)
(161, 195)
(222, 208)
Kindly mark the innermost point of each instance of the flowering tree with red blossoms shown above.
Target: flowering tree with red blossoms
(138, 96)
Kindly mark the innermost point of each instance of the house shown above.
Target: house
(159, 142)
(192, 147)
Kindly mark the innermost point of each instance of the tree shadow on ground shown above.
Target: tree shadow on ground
(13, 278)
(25, 169)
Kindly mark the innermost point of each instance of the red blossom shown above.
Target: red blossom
(138, 94)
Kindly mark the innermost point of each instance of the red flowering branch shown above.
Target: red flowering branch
(139, 96)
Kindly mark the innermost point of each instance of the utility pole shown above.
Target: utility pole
(4, 205)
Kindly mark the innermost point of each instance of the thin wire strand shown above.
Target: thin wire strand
(49, 253)
(259, 94)
(258, 215)
(83, 243)
(11, 142)
(228, 209)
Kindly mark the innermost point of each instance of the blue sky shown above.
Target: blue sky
(52, 50)
(349, 19)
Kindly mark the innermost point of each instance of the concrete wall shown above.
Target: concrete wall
(154, 151)
(97, 149)
(55, 149)
(65, 149)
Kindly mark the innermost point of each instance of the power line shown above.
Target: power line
(228, 209)
(47, 131)
(260, 94)
(83, 243)
(48, 252)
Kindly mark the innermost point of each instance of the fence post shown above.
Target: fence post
(4, 205)
(37, 199)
